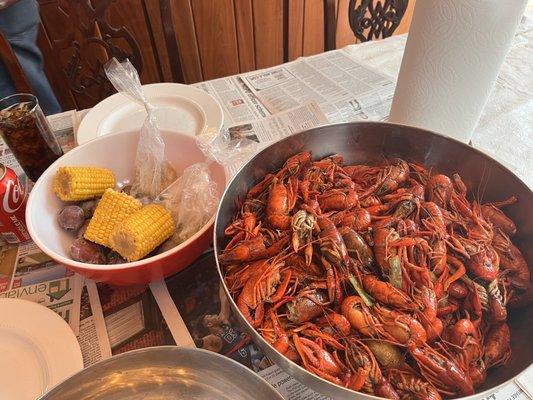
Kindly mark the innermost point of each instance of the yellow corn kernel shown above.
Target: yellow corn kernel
(142, 232)
(113, 208)
(82, 183)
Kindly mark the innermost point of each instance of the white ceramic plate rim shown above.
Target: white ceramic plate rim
(90, 267)
(25, 318)
(206, 104)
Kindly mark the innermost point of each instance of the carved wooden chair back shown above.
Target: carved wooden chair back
(85, 45)
(368, 19)
(92, 37)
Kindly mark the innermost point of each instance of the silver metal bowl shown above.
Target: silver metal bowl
(164, 373)
(372, 142)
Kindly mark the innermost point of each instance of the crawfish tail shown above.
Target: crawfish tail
(483, 296)
(494, 290)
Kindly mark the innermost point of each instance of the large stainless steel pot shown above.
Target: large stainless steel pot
(164, 373)
(368, 142)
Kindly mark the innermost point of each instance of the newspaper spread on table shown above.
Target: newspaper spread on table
(262, 106)
(345, 90)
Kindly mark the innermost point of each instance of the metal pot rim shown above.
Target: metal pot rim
(164, 350)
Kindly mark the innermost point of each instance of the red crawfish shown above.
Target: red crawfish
(262, 281)
(496, 216)
(318, 360)
(512, 260)
(497, 345)
(444, 373)
(385, 293)
(366, 373)
(357, 247)
(251, 250)
(466, 337)
(335, 322)
(281, 200)
(411, 386)
(440, 189)
(380, 322)
(279, 338)
(337, 200)
(294, 165)
(485, 264)
(307, 304)
(358, 219)
(392, 176)
(332, 245)
(302, 225)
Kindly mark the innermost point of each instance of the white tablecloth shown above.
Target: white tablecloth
(505, 130)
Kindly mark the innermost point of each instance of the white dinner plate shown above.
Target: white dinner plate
(179, 108)
(37, 349)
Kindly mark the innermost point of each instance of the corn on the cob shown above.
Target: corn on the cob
(113, 208)
(82, 183)
(142, 232)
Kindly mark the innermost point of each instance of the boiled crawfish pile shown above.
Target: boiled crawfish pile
(382, 279)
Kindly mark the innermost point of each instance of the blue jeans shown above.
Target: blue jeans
(20, 24)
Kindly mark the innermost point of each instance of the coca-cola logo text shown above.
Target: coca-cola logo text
(14, 196)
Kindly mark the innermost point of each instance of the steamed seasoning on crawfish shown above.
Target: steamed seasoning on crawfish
(383, 279)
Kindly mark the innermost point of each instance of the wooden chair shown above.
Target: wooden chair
(14, 69)
(368, 19)
(80, 36)
(165, 8)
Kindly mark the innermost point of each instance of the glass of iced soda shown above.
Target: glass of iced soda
(27, 132)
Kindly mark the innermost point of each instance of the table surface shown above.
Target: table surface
(504, 130)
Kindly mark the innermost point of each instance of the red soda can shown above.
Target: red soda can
(13, 207)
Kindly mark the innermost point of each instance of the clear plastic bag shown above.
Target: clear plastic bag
(192, 200)
(226, 149)
(152, 172)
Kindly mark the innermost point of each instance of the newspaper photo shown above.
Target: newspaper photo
(206, 312)
(280, 125)
(117, 319)
(239, 104)
(273, 128)
(132, 318)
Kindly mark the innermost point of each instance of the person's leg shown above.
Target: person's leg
(20, 25)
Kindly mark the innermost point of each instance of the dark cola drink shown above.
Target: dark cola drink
(26, 131)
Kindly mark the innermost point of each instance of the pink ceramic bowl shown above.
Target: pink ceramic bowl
(116, 152)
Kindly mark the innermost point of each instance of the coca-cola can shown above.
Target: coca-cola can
(13, 207)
